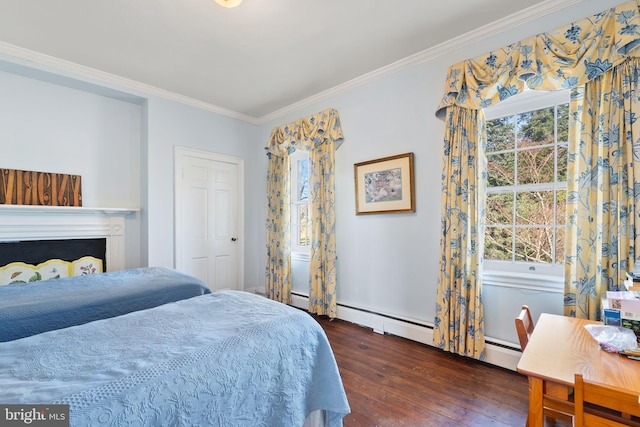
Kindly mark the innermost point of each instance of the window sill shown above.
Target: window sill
(538, 282)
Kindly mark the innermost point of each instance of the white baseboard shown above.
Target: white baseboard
(496, 354)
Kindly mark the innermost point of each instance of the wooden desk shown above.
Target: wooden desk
(560, 347)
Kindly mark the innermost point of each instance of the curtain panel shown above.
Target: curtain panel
(322, 253)
(320, 134)
(459, 321)
(604, 173)
(278, 270)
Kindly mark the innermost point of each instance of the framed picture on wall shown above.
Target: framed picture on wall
(385, 185)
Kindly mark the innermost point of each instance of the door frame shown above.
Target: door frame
(179, 154)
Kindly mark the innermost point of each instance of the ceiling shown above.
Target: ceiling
(253, 60)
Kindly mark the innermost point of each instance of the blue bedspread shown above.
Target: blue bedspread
(31, 308)
(229, 358)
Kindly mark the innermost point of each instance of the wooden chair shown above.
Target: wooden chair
(524, 326)
(604, 406)
(554, 409)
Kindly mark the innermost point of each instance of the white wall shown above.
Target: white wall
(171, 124)
(48, 127)
(388, 264)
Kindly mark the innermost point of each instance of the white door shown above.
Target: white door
(207, 218)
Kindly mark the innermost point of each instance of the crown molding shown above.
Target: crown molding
(496, 27)
(55, 65)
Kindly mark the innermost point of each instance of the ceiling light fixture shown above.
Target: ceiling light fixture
(228, 3)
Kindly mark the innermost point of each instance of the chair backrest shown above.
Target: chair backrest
(609, 406)
(524, 326)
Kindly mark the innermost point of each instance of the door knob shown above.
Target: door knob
(233, 239)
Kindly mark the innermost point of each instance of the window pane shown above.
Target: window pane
(562, 162)
(500, 209)
(500, 134)
(534, 244)
(536, 128)
(535, 208)
(561, 207)
(497, 243)
(560, 244)
(535, 166)
(563, 124)
(500, 168)
(303, 227)
(303, 179)
(563, 141)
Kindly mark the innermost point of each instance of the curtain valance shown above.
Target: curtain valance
(562, 59)
(306, 134)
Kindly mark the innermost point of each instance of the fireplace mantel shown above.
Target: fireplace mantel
(18, 222)
(70, 210)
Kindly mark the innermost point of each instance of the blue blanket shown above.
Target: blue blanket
(31, 308)
(229, 358)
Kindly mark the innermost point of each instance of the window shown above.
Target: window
(527, 187)
(300, 233)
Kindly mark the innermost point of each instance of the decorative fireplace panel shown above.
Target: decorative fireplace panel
(20, 272)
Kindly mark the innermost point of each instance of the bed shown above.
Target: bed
(31, 308)
(228, 358)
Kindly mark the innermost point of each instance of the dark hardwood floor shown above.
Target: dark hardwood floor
(393, 382)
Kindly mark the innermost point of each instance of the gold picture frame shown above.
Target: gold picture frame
(385, 185)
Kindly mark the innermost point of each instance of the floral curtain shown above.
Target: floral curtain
(604, 168)
(321, 135)
(565, 58)
(562, 59)
(459, 322)
(322, 253)
(278, 274)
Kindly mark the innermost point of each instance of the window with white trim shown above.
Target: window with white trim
(300, 233)
(524, 241)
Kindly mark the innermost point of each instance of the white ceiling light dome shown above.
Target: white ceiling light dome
(228, 3)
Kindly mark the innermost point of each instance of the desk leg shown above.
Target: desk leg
(536, 413)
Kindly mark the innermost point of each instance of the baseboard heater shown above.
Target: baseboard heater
(499, 354)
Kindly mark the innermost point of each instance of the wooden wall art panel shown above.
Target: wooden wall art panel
(18, 187)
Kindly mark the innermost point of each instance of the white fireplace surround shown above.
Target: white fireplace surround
(19, 222)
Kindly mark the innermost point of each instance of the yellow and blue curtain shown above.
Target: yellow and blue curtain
(459, 322)
(570, 57)
(565, 58)
(603, 188)
(321, 135)
(278, 270)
